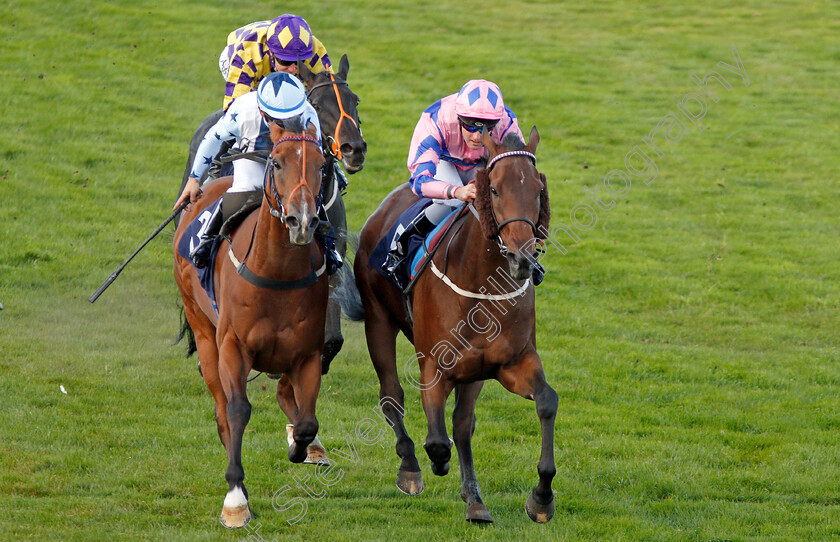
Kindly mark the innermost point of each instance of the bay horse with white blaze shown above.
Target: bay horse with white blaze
(271, 294)
(452, 311)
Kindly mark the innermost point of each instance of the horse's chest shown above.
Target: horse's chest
(279, 333)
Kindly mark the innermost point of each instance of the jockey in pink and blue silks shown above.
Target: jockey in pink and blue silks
(445, 151)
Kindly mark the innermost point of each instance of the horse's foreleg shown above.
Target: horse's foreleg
(306, 382)
(438, 446)
(381, 335)
(233, 373)
(286, 398)
(463, 427)
(527, 379)
(315, 452)
(334, 340)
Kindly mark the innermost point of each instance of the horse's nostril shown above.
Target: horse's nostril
(292, 221)
(347, 148)
(314, 223)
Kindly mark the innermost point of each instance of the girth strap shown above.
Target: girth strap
(275, 284)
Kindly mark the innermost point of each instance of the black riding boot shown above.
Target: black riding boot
(421, 226)
(340, 177)
(200, 255)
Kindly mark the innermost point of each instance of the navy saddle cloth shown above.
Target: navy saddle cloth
(191, 239)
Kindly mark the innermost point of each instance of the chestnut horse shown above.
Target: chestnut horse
(463, 332)
(343, 142)
(271, 294)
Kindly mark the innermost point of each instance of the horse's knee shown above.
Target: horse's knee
(238, 411)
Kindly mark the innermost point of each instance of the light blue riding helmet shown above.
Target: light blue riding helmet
(281, 96)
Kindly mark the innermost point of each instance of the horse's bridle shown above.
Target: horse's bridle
(499, 225)
(335, 142)
(268, 181)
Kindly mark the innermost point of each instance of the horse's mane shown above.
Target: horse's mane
(482, 199)
(513, 142)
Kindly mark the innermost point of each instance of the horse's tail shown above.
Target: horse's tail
(347, 293)
(186, 331)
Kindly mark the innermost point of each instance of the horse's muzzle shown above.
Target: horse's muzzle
(302, 229)
(520, 265)
(353, 155)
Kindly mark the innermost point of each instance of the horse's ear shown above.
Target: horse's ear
(311, 131)
(304, 73)
(545, 210)
(343, 67)
(533, 140)
(487, 140)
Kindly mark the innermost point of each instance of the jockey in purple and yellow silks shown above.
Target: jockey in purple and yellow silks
(257, 49)
(446, 149)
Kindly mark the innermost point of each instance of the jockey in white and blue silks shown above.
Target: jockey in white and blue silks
(280, 98)
(446, 149)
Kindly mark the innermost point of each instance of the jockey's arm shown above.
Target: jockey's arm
(225, 129)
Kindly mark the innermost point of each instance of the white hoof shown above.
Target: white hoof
(235, 513)
(316, 454)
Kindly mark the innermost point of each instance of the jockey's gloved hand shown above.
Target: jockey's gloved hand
(538, 274)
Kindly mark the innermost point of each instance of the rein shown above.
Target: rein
(335, 142)
(466, 293)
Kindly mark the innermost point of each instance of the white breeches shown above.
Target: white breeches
(247, 175)
(448, 173)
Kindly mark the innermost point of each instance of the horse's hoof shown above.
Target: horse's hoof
(316, 454)
(539, 513)
(477, 513)
(410, 483)
(331, 349)
(235, 511)
(440, 469)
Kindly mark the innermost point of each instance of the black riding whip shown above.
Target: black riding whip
(116, 273)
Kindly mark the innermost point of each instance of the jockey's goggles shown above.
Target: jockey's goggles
(285, 63)
(473, 125)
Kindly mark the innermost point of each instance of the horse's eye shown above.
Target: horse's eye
(494, 192)
(275, 164)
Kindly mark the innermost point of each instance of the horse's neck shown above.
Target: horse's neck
(472, 257)
(273, 254)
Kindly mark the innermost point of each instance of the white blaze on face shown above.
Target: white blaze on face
(235, 498)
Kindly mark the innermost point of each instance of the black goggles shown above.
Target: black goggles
(475, 125)
(285, 63)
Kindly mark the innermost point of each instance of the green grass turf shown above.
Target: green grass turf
(690, 333)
